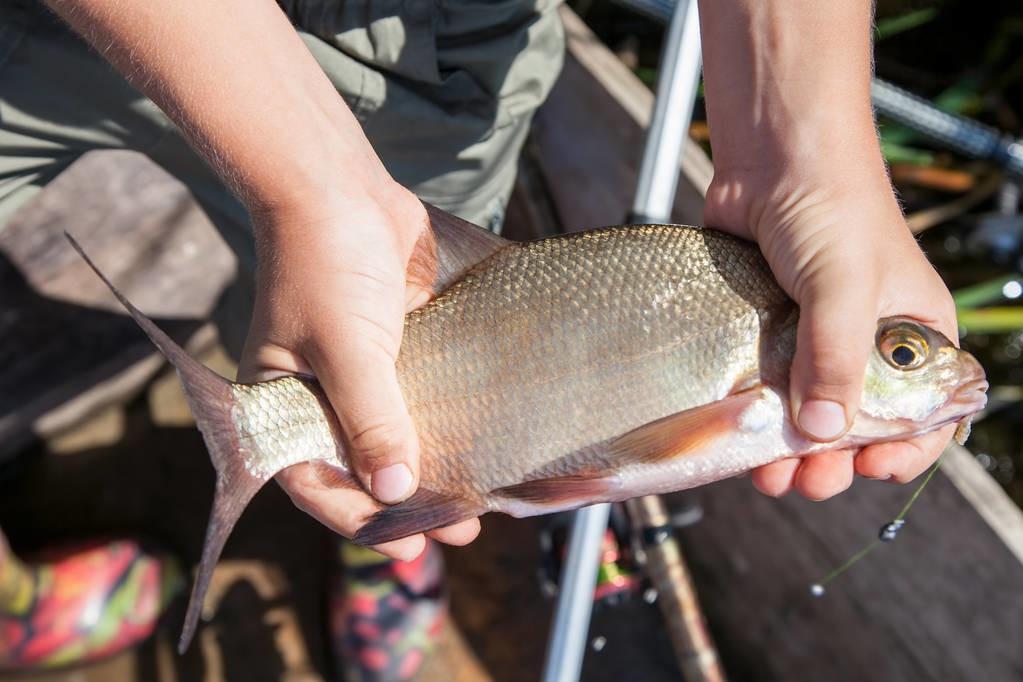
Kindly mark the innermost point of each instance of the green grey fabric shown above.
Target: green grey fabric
(444, 89)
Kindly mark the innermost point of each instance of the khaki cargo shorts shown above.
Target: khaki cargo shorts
(444, 89)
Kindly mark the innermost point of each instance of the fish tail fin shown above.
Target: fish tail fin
(211, 400)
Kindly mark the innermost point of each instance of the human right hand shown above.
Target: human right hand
(331, 297)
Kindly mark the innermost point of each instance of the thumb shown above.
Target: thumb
(360, 380)
(837, 322)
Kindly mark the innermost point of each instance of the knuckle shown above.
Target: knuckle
(828, 377)
(831, 375)
(377, 444)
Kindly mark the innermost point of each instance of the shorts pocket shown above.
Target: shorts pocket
(394, 36)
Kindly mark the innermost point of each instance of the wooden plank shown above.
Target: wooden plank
(629, 92)
(531, 213)
(986, 496)
(938, 604)
(589, 137)
(66, 347)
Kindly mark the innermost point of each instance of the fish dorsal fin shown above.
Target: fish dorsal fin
(449, 249)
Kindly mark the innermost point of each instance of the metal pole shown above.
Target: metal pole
(673, 112)
(567, 644)
(655, 196)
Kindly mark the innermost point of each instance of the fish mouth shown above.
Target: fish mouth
(971, 397)
(968, 400)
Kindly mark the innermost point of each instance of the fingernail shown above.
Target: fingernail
(822, 419)
(391, 483)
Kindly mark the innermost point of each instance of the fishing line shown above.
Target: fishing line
(887, 533)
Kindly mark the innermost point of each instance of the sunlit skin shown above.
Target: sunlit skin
(798, 170)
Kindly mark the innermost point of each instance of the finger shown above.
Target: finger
(461, 533)
(776, 479)
(836, 330)
(362, 386)
(268, 362)
(825, 474)
(343, 511)
(358, 375)
(903, 461)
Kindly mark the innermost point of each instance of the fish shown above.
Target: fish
(549, 375)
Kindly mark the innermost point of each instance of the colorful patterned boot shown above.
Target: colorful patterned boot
(386, 615)
(80, 605)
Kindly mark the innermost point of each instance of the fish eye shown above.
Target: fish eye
(903, 355)
(903, 348)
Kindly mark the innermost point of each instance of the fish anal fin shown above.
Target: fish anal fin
(425, 510)
(562, 491)
(449, 249)
(684, 432)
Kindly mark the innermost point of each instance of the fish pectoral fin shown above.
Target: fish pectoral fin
(597, 479)
(449, 249)
(684, 432)
(425, 510)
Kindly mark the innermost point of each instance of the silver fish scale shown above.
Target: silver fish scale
(283, 422)
(550, 347)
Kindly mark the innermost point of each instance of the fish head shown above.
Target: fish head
(917, 381)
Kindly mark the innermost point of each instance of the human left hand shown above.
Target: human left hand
(841, 248)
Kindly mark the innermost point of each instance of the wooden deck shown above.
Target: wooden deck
(941, 603)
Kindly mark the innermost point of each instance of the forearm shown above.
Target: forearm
(788, 88)
(240, 83)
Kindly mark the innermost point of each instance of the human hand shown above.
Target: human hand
(334, 230)
(798, 169)
(331, 297)
(841, 248)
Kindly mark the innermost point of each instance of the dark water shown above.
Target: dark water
(997, 439)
